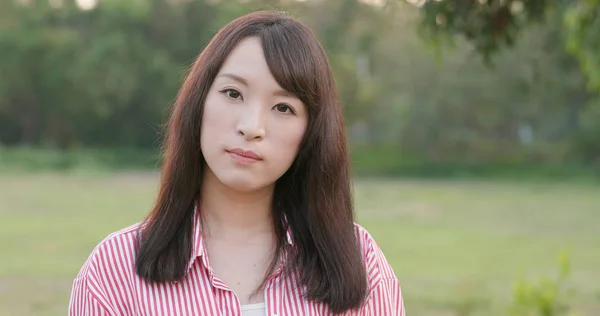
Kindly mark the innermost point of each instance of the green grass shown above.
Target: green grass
(451, 243)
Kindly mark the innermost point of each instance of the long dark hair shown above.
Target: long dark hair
(312, 199)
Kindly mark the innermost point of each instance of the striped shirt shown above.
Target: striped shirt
(108, 285)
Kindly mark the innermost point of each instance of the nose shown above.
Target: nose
(251, 124)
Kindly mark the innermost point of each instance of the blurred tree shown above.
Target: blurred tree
(491, 24)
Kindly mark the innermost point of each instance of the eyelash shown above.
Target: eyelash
(226, 93)
(288, 108)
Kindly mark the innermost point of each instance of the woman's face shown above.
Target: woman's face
(251, 127)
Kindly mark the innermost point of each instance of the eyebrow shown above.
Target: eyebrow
(234, 77)
(281, 92)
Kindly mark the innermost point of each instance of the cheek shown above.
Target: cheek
(215, 120)
(288, 140)
(212, 126)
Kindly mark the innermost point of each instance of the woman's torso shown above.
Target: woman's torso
(109, 278)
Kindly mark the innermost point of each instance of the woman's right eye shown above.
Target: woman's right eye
(232, 93)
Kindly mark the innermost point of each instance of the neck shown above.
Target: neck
(232, 215)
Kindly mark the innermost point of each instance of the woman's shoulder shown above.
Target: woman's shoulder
(385, 295)
(115, 253)
(375, 261)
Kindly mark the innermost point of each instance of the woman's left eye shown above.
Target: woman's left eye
(283, 108)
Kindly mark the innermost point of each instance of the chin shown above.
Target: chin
(241, 184)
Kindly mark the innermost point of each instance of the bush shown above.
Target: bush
(547, 297)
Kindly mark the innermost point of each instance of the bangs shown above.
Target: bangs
(292, 59)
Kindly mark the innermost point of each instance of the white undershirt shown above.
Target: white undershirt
(257, 309)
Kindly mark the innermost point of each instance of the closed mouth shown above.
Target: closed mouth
(244, 153)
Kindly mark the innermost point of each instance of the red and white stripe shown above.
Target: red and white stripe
(108, 285)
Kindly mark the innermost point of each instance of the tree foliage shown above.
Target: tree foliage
(490, 25)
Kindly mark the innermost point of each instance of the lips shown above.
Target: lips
(249, 154)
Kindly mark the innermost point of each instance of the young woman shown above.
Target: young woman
(254, 214)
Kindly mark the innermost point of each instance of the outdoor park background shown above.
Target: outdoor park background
(475, 131)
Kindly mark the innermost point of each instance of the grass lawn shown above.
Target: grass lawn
(452, 243)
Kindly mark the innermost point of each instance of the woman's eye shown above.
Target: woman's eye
(234, 94)
(283, 108)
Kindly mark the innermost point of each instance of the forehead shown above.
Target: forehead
(247, 60)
